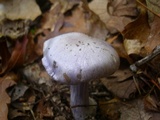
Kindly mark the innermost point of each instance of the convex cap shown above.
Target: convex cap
(75, 57)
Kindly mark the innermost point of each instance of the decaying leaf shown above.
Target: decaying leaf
(5, 82)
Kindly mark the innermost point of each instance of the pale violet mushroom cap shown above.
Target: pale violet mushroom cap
(75, 57)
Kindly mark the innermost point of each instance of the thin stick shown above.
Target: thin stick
(147, 8)
(146, 59)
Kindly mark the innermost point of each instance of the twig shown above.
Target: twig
(134, 67)
(136, 84)
(147, 8)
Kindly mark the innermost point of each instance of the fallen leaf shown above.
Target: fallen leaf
(83, 20)
(121, 84)
(139, 33)
(121, 13)
(151, 103)
(5, 82)
(153, 38)
(110, 109)
(17, 56)
(14, 29)
(154, 6)
(58, 8)
(116, 109)
(19, 91)
(133, 46)
(117, 43)
(155, 116)
(134, 110)
(100, 8)
(4, 54)
(35, 74)
(25, 10)
(15, 113)
(44, 110)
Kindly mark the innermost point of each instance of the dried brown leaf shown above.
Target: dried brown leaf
(16, 58)
(100, 8)
(121, 13)
(35, 74)
(121, 84)
(151, 103)
(153, 38)
(57, 10)
(85, 21)
(21, 9)
(117, 43)
(4, 54)
(44, 110)
(139, 30)
(134, 110)
(110, 109)
(133, 46)
(5, 82)
(115, 109)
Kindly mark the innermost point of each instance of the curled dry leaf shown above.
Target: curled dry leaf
(5, 82)
(58, 8)
(145, 34)
(52, 20)
(121, 13)
(83, 20)
(138, 34)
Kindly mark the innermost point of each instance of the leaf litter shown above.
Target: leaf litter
(126, 24)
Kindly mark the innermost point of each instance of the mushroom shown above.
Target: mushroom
(75, 59)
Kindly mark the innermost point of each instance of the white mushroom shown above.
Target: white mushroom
(75, 59)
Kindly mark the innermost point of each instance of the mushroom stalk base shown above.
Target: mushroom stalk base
(81, 104)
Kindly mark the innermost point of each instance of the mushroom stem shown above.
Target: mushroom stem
(80, 101)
